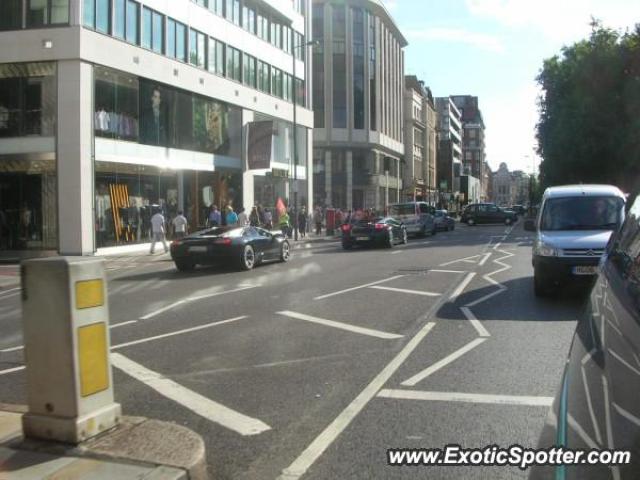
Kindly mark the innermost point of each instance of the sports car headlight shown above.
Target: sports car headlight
(544, 250)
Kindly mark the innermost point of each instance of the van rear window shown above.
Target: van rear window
(402, 209)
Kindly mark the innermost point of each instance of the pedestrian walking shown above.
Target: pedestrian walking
(268, 219)
(317, 219)
(215, 217)
(157, 227)
(283, 223)
(243, 218)
(302, 222)
(180, 225)
(232, 217)
(254, 217)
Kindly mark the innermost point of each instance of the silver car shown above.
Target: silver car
(443, 221)
(572, 231)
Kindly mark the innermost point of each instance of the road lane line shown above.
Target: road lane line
(459, 260)
(12, 291)
(9, 295)
(340, 325)
(198, 404)
(192, 299)
(122, 324)
(342, 421)
(580, 431)
(486, 297)
(448, 271)
(484, 260)
(12, 349)
(396, 252)
(404, 290)
(340, 292)
(475, 322)
(624, 362)
(632, 418)
(442, 363)
(467, 397)
(462, 286)
(10, 370)
(178, 332)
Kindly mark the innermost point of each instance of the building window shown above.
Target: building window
(50, 12)
(216, 56)
(276, 82)
(197, 48)
(286, 39)
(298, 48)
(97, 14)
(339, 67)
(234, 65)
(152, 30)
(232, 12)
(318, 65)
(10, 14)
(264, 77)
(263, 26)
(372, 73)
(133, 14)
(249, 19)
(276, 34)
(300, 93)
(249, 70)
(287, 84)
(176, 40)
(217, 7)
(358, 68)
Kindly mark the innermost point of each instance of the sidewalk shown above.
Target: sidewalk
(128, 452)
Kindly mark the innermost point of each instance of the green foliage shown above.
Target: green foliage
(589, 127)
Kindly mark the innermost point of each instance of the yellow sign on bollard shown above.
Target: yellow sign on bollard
(92, 354)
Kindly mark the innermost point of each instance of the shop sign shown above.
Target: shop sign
(259, 145)
(279, 172)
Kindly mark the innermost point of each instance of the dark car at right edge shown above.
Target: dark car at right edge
(598, 404)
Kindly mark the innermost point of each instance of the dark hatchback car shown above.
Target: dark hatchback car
(378, 231)
(598, 404)
(476, 213)
(244, 247)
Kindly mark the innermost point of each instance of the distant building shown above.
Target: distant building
(510, 188)
(473, 148)
(358, 85)
(420, 141)
(487, 184)
(449, 155)
(522, 182)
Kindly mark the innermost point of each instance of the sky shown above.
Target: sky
(494, 49)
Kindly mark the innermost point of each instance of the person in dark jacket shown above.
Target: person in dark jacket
(302, 222)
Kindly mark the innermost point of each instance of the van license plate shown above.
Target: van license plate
(362, 239)
(585, 270)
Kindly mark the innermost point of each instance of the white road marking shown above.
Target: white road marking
(588, 395)
(607, 416)
(178, 332)
(475, 322)
(624, 362)
(198, 404)
(497, 245)
(9, 295)
(191, 299)
(467, 397)
(340, 325)
(632, 418)
(465, 259)
(10, 370)
(580, 431)
(462, 286)
(12, 349)
(122, 324)
(396, 252)
(340, 292)
(442, 363)
(403, 290)
(13, 291)
(342, 421)
(448, 271)
(486, 297)
(484, 260)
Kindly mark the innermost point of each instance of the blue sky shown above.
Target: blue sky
(494, 49)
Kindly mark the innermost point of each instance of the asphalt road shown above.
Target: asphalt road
(316, 367)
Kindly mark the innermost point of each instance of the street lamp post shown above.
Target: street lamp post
(295, 137)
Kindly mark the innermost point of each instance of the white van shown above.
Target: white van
(417, 217)
(572, 230)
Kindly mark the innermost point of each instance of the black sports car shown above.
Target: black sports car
(380, 231)
(242, 246)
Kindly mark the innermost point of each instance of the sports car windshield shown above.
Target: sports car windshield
(582, 213)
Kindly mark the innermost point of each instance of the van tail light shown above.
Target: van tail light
(346, 227)
(223, 241)
(380, 226)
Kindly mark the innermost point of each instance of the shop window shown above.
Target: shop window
(116, 101)
(27, 99)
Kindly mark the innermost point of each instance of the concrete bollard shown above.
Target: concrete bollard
(65, 317)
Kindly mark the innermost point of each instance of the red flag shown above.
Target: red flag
(280, 208)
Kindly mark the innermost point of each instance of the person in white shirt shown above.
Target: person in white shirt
(157, 227)
(243, 218)
(180, 225)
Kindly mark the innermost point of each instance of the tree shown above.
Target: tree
(589, 126)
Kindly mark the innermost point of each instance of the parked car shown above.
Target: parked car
(242, 246)
(476, 213)
(572, 230)
(417, 217)
(378, 231)
(444, 221)
(597, 403)
(519, 209)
